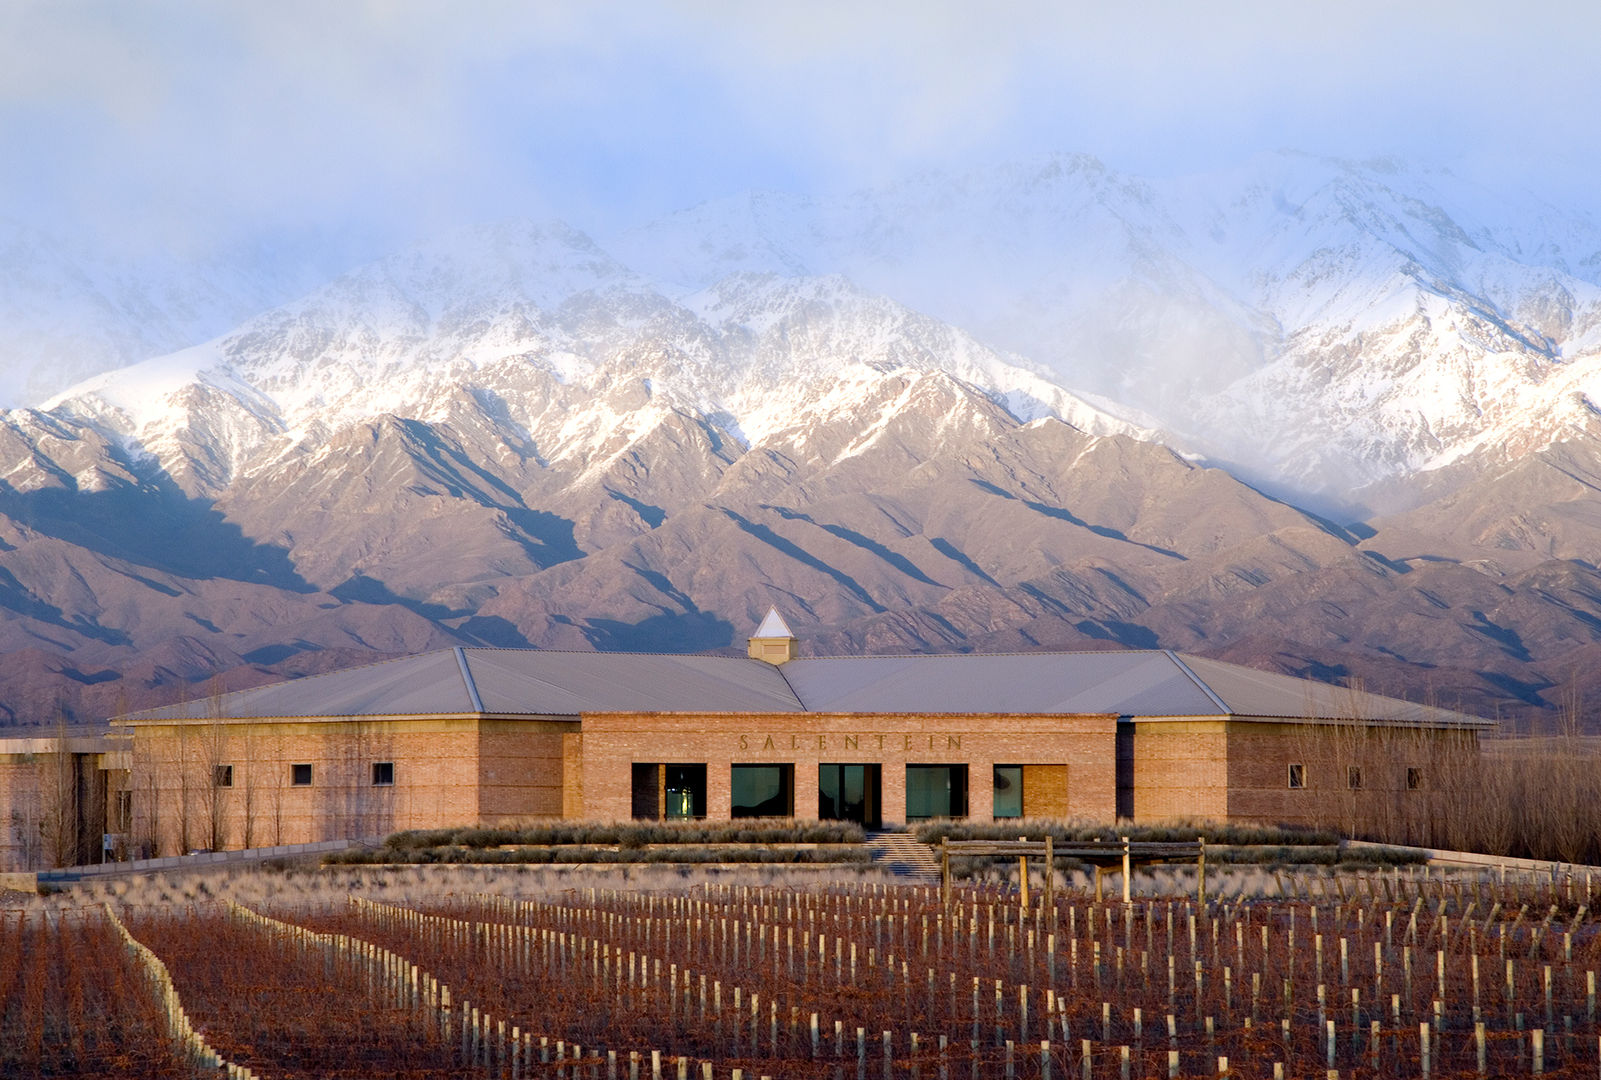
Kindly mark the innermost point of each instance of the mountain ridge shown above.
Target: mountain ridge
(512, 436)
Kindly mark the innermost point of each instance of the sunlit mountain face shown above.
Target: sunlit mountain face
(1329, 417)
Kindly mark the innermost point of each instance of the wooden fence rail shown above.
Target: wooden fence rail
(1103, 855)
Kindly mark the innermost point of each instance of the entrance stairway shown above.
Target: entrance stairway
(899, 853)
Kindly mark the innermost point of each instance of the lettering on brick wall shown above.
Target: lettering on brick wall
(907, 743)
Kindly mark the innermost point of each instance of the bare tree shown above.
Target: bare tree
(278, 781)
(184, 793)
(248, 780)
(216, 774)
(59, 800)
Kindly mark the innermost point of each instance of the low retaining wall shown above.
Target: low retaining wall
(209, 860)
(1439, 857)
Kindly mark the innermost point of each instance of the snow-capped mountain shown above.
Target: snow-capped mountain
(573, 352)
(962, 412)
(1322, 325)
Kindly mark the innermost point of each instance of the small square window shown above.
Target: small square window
(1353, 777)
(1414, 779)
(1297, 776)
(223, 776)
(300, 775)
(383, 773)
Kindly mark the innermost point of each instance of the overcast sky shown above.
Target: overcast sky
(354, 126)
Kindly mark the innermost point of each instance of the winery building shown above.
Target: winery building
(499, 736)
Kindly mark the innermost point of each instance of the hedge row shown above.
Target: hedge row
(1165, 832)
(573, 854)
(636, 834)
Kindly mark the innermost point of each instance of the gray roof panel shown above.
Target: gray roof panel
(1249, 692)
(1125, 683)
(524, 680)
(511, 681)
(532, 682)
(429, 683)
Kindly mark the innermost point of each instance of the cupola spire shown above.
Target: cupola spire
(773, 641)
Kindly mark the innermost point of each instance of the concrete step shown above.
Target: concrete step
(901, 854)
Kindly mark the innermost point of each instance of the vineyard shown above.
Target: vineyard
(1385, 976)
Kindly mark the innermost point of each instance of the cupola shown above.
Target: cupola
(773, 641)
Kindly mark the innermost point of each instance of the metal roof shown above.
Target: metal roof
(528, 682)
(1126, 683)
(1251, 693)
(452, 682)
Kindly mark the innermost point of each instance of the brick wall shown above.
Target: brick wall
(520, 770)
(1181, 769)
(1333, 757)
(177, 807)
(1084, 745)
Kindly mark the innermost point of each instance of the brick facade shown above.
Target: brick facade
(1079, 747)
(181, 784)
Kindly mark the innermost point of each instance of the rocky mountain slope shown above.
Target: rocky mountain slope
(1330, 329)
(517, 435)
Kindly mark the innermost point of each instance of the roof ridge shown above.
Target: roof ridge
(1196, 679)
(467, 677)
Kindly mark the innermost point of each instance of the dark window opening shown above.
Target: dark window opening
(936, 791)
(1125, 768)
(1297, 776)
(222, 776)
(672, 792)
(762, 791)
(300, 775)
(383, 773)
(1353, 777)
(647, 791)
(849, 793)
(686, 791)
(1414, 779)
(1008, 791)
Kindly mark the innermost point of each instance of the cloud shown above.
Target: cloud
(364, 123)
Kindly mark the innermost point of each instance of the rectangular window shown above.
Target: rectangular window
(849, 792)
(223, 776)
(1008, 791)
(1414, 779)
(300, 775)
(383, 773)
(685, 791)
(1297, 777)
(936, 791)
(761, 791)
(1353, 777)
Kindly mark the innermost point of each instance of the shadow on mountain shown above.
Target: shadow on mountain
(1131, 634)
(650, 515)
(548, 538)
(1524, 690)
(805, 558)
(960, 557)
(155, 526)
(687, 632)
(361, 589)
(14, 596)
(851, 536)
(1505, 637)
(273, 654)
(1068, 516)
(493, 632)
